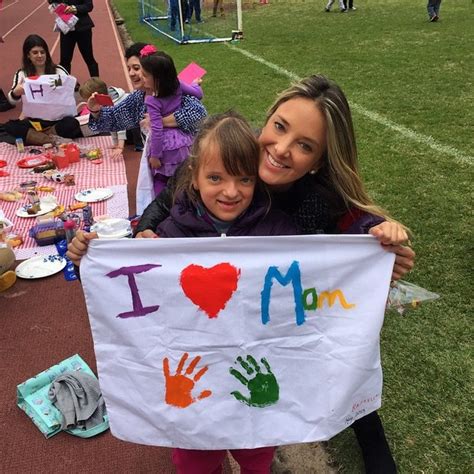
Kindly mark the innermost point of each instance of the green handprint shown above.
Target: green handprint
(263, 388)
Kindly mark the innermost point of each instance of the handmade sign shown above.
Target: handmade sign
(218, 343)
(49, 97)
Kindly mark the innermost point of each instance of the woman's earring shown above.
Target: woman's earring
(312, 172)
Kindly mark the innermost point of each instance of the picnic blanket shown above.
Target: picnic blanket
(110, 173)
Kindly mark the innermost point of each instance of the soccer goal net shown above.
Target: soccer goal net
(194, 21)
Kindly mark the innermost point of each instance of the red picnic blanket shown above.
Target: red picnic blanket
(110, 174)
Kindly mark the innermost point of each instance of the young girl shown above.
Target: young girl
(129, 114)
(217, 193)
(167, 147)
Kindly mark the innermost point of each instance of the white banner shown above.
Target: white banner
(49, 97)
(225, 343)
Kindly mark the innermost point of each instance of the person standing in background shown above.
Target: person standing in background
(349, 5)
(433, 10)
(216, 5)
(194, 6)
(81, 35)
(330, 4)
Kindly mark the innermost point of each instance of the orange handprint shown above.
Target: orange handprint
(179, 386)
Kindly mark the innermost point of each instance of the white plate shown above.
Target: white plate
(94, 195)
(40, 266)
(112, 228)
(45, 208)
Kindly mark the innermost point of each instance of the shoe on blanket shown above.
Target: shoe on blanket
(33, 137)
(4, 104)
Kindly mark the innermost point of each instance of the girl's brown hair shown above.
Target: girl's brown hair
(237, 144)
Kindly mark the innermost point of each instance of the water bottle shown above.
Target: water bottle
(20, 147)
(70, 230)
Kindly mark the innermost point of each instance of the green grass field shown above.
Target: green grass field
(410, 83)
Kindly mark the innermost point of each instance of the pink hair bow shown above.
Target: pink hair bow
(147, 50)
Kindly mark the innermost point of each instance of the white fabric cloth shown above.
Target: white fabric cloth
(307, 310)
(145, 192)
(49, 97)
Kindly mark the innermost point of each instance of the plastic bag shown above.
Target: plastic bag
(404, 296)
(65, 26)
(64, 22)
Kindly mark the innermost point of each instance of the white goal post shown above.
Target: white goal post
(191, 21)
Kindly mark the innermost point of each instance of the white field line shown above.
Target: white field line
(374, 116)
(55, 45)
(7, 6)
(24, 19)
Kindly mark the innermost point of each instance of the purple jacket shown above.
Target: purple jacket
(185, 221)
(159, 107)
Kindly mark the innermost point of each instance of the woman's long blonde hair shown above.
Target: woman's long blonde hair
(339, 161)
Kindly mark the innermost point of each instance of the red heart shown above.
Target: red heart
(210, 288)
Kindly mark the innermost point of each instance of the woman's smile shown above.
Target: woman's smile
(273, 161)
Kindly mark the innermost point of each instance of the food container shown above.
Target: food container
(48, 233)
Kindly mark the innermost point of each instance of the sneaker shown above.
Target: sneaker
(433, 18)
(327, 10)
(200, 21)
(5, 105)
(353, 8)
(343, 10)
(187, 21)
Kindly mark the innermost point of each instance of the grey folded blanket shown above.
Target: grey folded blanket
(78, 397)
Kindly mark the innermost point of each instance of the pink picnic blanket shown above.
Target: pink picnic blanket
(109, 174)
